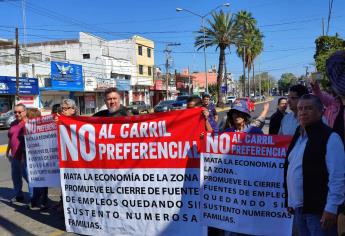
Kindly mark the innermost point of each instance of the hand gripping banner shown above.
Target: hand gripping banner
(136, 175)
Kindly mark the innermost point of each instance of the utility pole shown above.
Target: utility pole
(168, 57)
(189, 80)
(17, 65)
(330, 7)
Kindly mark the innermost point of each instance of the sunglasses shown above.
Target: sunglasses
(18, 112)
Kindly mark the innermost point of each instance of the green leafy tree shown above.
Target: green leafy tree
(286, 80)
(325, 46)
(221, 33)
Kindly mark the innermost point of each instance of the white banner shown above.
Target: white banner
(242, 189)
(42, 152)
(132, 201)
(136, 175)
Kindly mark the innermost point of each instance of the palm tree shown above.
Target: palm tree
(254, 47)
(258, 47)
(220, 32)
(245, 25)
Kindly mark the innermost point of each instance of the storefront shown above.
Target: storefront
(28, 92)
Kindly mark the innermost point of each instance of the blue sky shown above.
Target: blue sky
(290, 27)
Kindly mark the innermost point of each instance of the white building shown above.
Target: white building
(104, 64)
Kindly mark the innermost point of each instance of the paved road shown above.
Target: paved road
(3, 136)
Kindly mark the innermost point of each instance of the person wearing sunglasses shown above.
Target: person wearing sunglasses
(16, 152)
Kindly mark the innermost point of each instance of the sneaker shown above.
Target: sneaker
(17, 199)
(32, 205)
(44, 207)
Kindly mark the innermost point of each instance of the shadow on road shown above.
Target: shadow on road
(50, 217)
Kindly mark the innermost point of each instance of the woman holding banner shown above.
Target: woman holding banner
(238, 119)
(68, 107)
(38, 193)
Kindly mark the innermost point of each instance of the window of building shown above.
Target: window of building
(24, 59)
(148, 52)
(149, 70)
(86, 56)
(58, 56)
(35, 57)
(141, 69)
(140, 50)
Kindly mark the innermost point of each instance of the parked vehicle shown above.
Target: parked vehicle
(6, 119)
(230, 99)
(180, 103)
(138, 107)
(163, 106)
(250, 103)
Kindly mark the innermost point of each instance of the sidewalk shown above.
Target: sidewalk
(16, 219)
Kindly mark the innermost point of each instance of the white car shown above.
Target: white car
(230, 99)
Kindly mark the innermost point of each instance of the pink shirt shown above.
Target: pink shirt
(331, 103)
(16, 139)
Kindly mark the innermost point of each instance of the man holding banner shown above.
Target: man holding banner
(314, 171)
(113, 102)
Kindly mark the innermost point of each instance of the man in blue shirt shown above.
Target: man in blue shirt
(213, 115)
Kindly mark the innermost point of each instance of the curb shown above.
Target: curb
(3, 149)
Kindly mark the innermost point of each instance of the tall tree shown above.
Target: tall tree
(325, 46)
(245, 25)
(220, 32)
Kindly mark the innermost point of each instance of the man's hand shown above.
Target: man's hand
(206, 113)
(328, 220)
(314, 84)
(291, 210)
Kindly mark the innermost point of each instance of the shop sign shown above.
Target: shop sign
(123, 84)
(27, 86)
(66, 76)
(104, 83)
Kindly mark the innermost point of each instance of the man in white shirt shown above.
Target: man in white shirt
(314, 172)
(289, 122)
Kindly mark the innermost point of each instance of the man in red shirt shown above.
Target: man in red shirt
(16, 151)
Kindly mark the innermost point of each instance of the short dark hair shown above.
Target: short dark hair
(206, 95)
(315, 99)
(21, 105)
(111, 90)
(280, 99)
(195, 99)
(299, 89)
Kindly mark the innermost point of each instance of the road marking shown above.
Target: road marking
(3, 149)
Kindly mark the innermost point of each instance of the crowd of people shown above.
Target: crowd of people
(314, 172)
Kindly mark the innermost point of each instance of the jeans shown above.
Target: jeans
(19, 171)
(309, 224)
(40, 194)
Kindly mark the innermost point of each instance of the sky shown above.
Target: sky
(289, 27)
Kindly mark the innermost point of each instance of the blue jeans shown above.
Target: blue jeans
(309, 224)
(19, 171)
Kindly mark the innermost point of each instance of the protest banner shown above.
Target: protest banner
(42, 152)
(242, 189)
(136, 175)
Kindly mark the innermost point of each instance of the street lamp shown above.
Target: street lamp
(203, 29)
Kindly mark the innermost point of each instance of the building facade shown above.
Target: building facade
(83, 68)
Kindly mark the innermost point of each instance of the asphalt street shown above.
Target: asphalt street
(16, 219)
